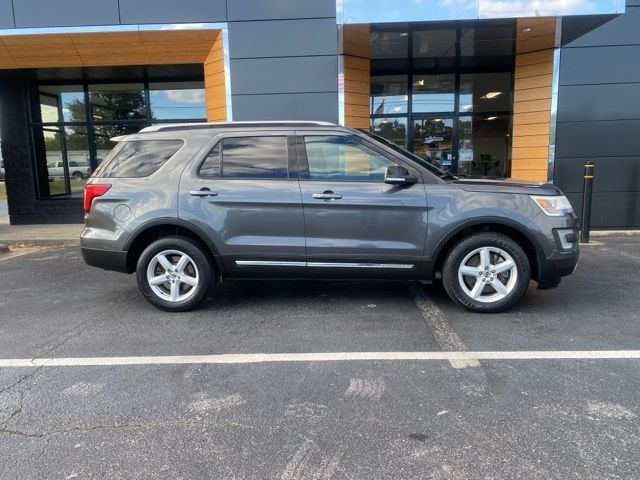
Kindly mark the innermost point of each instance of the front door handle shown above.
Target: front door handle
(327, 195)
(203, 192)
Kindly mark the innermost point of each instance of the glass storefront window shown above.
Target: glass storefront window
(183, 100)
(68, 99)
(52, 153)
(433, 93)
(117, 102)
(393, 129)
(434, 43)
(484, 145)
(72, 137)
(433, 141)
(389, 45)
(485, 92)
(78, 157)
(495, 40)
(389, 94)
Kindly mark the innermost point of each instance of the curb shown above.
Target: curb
(614, 233)
(39, 242)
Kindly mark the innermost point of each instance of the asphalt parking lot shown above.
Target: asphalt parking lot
(314, 416)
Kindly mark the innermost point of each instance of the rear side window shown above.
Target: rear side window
(255, 157)
(140, 158)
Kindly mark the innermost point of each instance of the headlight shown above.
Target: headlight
(554, 206)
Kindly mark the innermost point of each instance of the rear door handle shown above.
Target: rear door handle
(203, 192)
(327, 195)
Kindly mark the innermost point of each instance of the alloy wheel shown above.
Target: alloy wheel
(173, 276)
(488, 274)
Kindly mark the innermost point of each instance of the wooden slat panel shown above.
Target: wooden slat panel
(534, 70)
(214, 82)
(108, 48)
(528, 118)
(539, 175)
(531, 164)
(357, 75)
(531, 129)
(529, 152)
(539, 93)
(534, 58)
(357, 63)
(356, 110)
(533, 82)
(42, 40)
(532, 106)
(356, 122)
(531, 141)
(356, 87)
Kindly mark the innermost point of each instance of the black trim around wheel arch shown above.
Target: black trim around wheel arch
(429, 266)
(156, 222)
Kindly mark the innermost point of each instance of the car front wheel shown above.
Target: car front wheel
(175, 274)
(486, 272)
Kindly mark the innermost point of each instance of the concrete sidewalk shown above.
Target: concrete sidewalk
(55, 234)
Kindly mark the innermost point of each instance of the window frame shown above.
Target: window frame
(304, 161)
(292, 165)
(88, 122)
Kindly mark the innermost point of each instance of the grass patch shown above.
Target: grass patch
(3, 191)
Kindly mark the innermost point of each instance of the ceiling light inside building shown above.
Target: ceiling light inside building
(527, 29)
(491, 95)
(491, 118)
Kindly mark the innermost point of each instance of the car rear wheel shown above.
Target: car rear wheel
(175, 274)
(486, 272)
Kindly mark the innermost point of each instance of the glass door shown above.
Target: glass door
(433, 140)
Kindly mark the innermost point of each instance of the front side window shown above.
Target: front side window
(255, 157)
(343, 158)
(140, 158)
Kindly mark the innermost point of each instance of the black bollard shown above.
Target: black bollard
(587, 193)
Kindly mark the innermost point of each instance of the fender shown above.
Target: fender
(178, 223)
(429, 265)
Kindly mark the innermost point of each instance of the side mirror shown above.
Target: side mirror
(397, 175)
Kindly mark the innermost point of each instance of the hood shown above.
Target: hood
(506, 186)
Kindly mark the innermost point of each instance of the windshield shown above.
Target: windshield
(412, 156)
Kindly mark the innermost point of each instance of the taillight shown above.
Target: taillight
(93, 190)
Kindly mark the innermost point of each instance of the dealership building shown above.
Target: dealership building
(492, 88)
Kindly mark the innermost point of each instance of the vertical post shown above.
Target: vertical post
(587, 193)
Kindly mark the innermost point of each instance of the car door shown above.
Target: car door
(356, 225)
(243, 194)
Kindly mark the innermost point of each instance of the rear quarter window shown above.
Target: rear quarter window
(139, 158)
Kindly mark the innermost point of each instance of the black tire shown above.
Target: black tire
(467, 245)
(202, 266)
(78, 176)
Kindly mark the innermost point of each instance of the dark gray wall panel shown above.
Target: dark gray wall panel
(622, 30)
(6, 14)
(63, 13)
(610, 210)
(612, 174)
(294, 106)
(284, 75)
(280, 9)
(598, 139)
(283, 38)
(600, 65)
(599, 102)
(632, 3)
(172, 11)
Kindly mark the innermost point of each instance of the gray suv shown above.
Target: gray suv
(184, 206)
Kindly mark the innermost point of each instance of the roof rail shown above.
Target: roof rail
(204, 125)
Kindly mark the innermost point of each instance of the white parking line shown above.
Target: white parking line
(248, 358)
